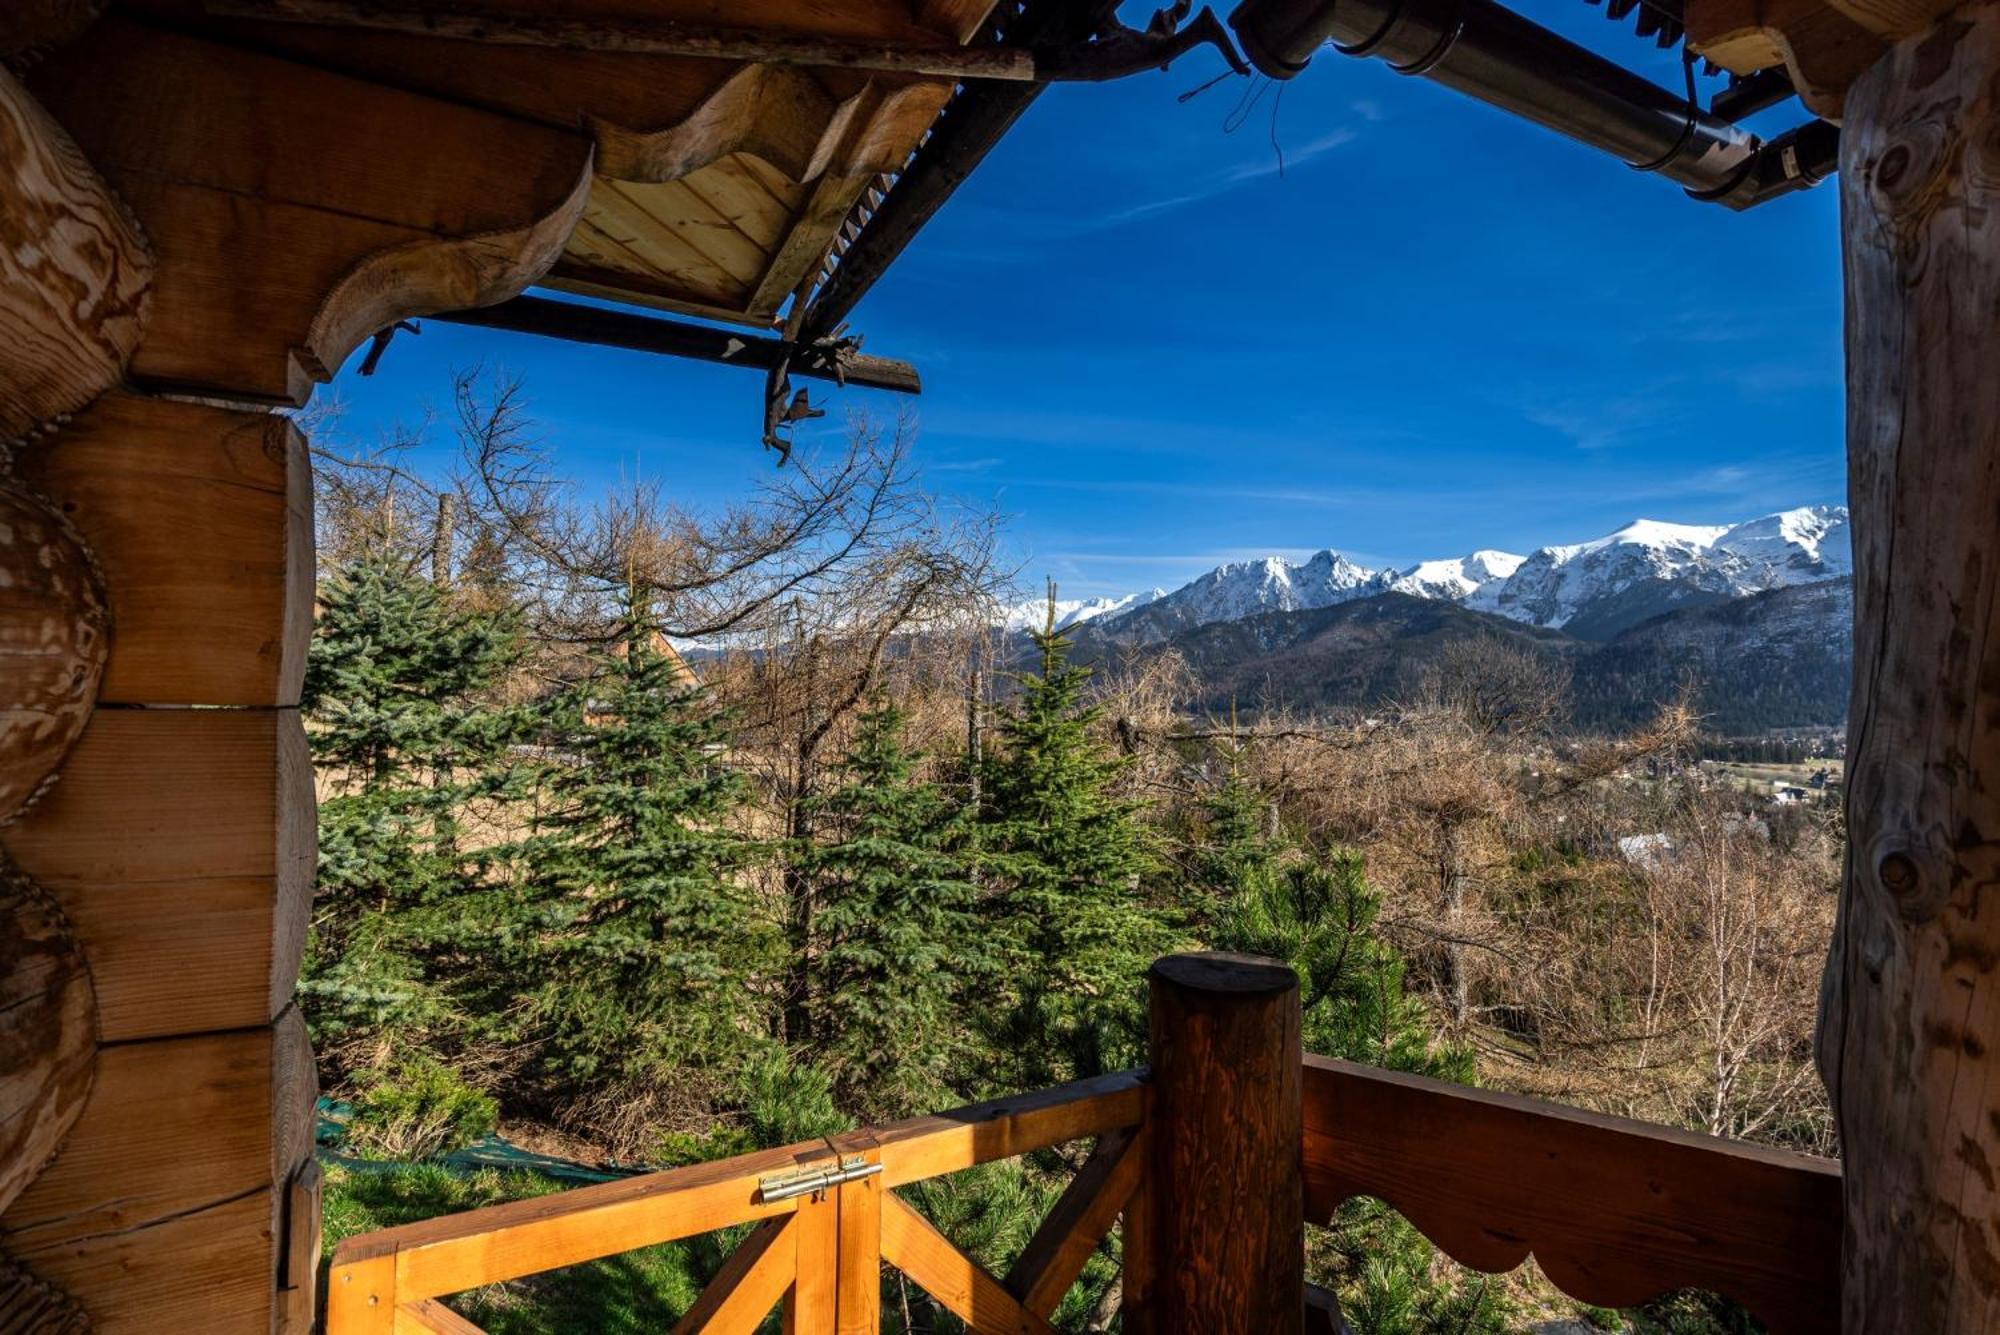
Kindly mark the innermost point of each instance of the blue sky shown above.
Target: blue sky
(1438, 329)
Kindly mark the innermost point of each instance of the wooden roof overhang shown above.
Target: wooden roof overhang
(718, 186)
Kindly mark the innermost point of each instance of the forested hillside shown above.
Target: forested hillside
(1772, 660)
(858, 863)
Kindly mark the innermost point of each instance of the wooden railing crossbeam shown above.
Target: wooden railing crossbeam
(454, 1253)
(434, 1318)
(927, 1147)
(1614, 1211)
(1089, 1206)
(965, 1288)
(748, 1286)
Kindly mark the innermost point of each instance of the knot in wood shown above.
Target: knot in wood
(1907, 181)
(1916, 893)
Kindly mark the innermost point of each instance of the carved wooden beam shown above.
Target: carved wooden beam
(74, 271)
(1821, 48)
(47, 1029)
(295, 211)
(651, 37)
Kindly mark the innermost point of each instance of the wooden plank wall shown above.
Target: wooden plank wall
(179, 840)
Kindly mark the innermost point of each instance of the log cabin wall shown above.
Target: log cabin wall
(285, 213)
(202, 218)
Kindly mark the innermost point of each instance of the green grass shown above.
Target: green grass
(642, 1291)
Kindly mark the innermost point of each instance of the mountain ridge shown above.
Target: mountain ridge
(1592, 590)
(1775, 659)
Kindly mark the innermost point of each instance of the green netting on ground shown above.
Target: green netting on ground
(330, 1138)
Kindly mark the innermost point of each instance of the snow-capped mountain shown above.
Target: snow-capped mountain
(1456, 580)
(1597, 588)
(1033, 614)
(1245, 588)
(1590, 589)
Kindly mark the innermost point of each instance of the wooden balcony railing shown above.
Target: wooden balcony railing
(1616, 1212)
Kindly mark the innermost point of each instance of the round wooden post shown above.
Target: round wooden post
(1909, 1037)
(1225, 1224)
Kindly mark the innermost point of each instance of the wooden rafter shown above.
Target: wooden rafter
(641, 37)
(647, 333)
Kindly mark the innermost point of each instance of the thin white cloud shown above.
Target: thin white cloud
(1269, 163)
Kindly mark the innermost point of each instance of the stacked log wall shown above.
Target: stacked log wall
(248, 221)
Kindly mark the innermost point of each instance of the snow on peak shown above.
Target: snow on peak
(1657, 533)
(1033, 614)
(1454, 578)
(1644, 568)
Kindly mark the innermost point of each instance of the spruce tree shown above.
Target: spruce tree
(1265, 896)
(897, 946)
(637, 961)
(1069, 859)
(408, 729)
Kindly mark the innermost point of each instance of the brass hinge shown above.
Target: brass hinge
(812, 1181)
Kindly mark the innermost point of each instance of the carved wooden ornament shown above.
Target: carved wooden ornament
(75, 271)
(48, 1030)
(54, 636)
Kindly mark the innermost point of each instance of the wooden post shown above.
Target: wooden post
(1224, 1215)
(1909, 1038)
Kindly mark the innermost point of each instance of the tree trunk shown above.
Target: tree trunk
(1910, 1010)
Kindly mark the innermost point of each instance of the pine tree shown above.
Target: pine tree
(897, 946)
(402, 690)
(637, 959)
(1236, 854)
(1069, 858)
(1317, 914)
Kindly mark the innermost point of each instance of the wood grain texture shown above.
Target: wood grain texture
(433, 1318)
(292, 209)
(54, 637)
(1224, 1129)
(858, 1307)
(1057, 1253)
(748, 1286)
(940, 1143)
(298, 1283)
(30, 1305)
(501, 1242)
(48, 1031)
(75, 271)
(1614, 1211)
(1893, 19)
(812, 1305)
(191, 1242)
(960, 1284)
(181, 845)
(1823, 49)
(1909, 1039)
(223, 621)
(557, 89)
